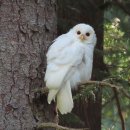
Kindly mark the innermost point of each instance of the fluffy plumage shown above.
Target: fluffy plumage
(69, 62)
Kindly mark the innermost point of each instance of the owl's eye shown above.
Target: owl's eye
(78, 32)
(88, 34)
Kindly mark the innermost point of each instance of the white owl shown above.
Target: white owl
(69, 62)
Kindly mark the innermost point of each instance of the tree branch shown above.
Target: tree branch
(119, 109)
(125, 93)
(58, 127)
(119, 3)
(122, 5)
(99, 83)
(41, 90)
(102, 83)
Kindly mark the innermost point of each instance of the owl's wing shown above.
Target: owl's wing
(58, 44)
(85, 69)
(62, 57)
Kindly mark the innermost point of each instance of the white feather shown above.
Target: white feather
(64, 99)
(69, 62)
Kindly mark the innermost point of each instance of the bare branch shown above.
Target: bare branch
(119, 109)
(122, 5)
(98, 83)
(125, 93)
(102, 83)
(42, 90)
(58, 127)
(119, 3)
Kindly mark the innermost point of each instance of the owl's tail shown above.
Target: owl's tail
(64, 99)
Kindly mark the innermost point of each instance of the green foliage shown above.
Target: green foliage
(117, 51)
(110, 115)
(86, 92)
(117, 59)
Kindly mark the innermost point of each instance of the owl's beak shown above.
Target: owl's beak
(82, 37)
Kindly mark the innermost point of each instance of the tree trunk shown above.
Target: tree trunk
(71, 13)
(26, 30)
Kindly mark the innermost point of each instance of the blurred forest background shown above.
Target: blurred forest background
(117, 58)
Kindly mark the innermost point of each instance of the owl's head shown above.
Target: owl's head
(84, 33)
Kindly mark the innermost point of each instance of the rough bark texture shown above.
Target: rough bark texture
(86, 11)
(27, 27)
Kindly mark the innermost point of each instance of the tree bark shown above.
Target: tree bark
(27, 27)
